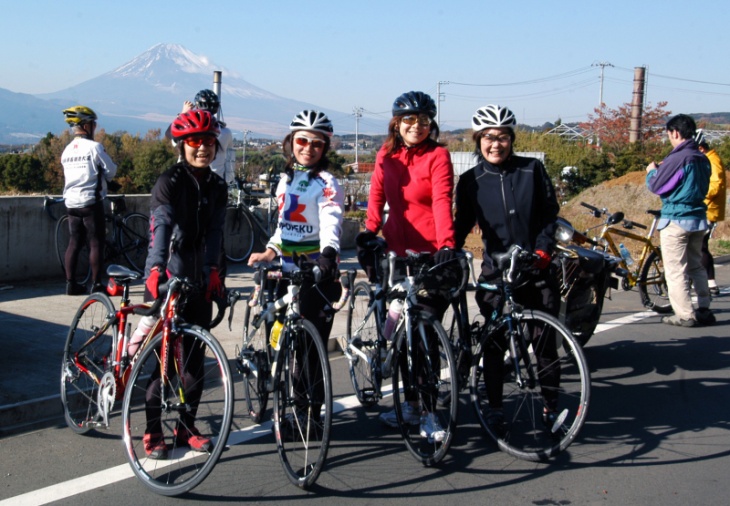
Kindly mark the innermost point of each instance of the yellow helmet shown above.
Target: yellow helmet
(79, 115)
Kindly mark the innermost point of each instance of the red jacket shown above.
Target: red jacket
(417, 183)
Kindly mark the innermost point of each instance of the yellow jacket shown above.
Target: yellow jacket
(715, 198)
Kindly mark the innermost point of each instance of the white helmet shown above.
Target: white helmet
(493, 116)
(313, 121)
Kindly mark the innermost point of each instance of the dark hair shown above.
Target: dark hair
(288, 148)
(477, 138)
(704, 145)
(684, 125)
(394, 141)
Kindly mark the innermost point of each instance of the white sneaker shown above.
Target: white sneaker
(409, 416)
(431, 428)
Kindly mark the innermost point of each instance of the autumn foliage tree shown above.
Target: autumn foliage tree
(612, 126)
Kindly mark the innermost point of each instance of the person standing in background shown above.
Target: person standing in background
(87, 169)
(682, 180)
(715, 201)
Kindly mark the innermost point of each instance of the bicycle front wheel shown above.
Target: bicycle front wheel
(539, 406)
(134, 240)
(238, 234)
(255, 365)
(653, 285)
(63, 235)
(361, 348)
(186, 417)
(303, 403)
(428, 380)
(87, 364)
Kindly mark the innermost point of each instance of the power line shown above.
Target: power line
(531, 81)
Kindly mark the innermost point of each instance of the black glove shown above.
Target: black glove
(327, 262)
(443, 255)
(363, 238)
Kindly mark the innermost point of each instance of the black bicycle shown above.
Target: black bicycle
(244, 223)
(545, 381)
(283, 354)
(127, 236)
(418, 340)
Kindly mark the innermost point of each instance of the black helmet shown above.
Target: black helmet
(414, 102)
(208, 101)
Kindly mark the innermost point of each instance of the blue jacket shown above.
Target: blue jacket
(682, 181)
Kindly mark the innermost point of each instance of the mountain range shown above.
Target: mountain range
(146, 93)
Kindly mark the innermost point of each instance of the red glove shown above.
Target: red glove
(215, 286)
(155, 279)
(543, 260)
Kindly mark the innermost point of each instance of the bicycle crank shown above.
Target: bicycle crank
(106, 397)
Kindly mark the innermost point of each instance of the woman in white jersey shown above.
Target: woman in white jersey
(310, 204)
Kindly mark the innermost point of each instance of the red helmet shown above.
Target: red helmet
(194, 122)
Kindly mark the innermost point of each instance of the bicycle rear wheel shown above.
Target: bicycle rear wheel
(432, 383)
(87, 356)
(83, 268)
(238, 234)
(303, 403)
(653, 286)
(553, 377)
(361, 348)
(255, 365)
(134, 240)
(197, 355)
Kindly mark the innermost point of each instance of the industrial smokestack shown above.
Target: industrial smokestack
(637, 104)
(217, 78)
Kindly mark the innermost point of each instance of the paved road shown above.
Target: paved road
(657, 431)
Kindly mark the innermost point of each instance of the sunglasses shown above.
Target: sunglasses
(304, 141)
(196, 142)
(421, 119)
(502, 139)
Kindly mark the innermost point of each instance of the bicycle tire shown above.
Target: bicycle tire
(361, 348)
(460, 344)
(436, 391)
(184, 468)
(255, 366)
(523, 433)
(134, 240)
(273, 222)
(302, 430)
(83, 267)
(81, 395)
(238, 234)
(653, 285)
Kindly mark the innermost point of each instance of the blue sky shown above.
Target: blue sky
(540, 58)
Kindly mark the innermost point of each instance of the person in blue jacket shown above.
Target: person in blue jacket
(681, 180)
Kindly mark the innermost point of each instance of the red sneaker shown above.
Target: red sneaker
(154, 446)
(191, 437)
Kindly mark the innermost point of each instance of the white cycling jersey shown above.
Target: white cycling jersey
(86, 169)
(310, 216)
(222, 164)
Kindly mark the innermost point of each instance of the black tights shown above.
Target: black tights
(85, 224)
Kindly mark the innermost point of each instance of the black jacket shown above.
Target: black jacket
(186, 221)
(512, 204)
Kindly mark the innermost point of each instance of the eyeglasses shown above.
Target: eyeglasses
(196, 142)
(502, 139)
(421, 119)
(304, 141)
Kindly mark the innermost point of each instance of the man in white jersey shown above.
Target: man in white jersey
(87, 169)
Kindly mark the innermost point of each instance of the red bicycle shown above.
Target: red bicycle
(185, 360)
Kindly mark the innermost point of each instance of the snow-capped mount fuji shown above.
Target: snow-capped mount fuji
(148, 91)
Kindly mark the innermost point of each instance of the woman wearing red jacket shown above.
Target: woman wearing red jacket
(414, 176)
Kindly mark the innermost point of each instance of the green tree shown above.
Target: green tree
(21, 173)
(150, 160)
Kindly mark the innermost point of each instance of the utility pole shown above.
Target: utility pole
(603, 65)
(357, 112)
(243, 159)
(439, 98)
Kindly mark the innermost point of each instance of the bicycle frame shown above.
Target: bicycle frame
(608, 232)
(263, 224)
